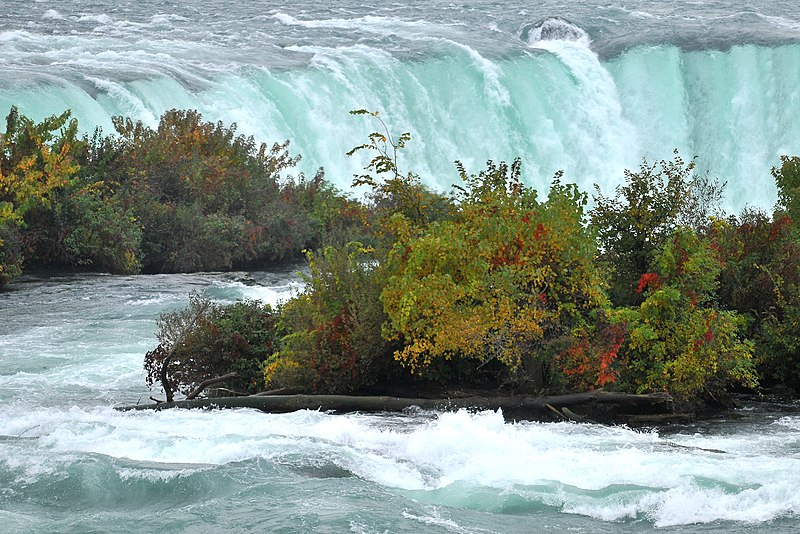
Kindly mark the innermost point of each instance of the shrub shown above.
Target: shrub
(508, 274)
(36, 162)
(677, 340)
(787, 178)
(644, 213)
(99, 232)
(10, 252)
(207, 198)
(334, 343)
(207, 340)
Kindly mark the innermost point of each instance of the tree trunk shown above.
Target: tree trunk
(599, 406)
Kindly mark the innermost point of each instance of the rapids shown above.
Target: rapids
(71, 348)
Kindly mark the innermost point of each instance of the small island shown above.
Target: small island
(645, 304)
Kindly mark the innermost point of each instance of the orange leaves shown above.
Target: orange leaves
(591, 361)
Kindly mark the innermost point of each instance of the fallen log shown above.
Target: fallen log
(599, 406)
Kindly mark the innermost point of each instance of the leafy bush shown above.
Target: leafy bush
(644, 213)
(787, 178)
(207, 198)
(677, 340)
(36, 162)
(207, 340)
(10, 252)
(99, 232)
(334, 343)
(506, 275)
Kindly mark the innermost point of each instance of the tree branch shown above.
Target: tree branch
(168, 390)
(210, 382)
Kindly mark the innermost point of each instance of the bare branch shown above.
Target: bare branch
(210, 382)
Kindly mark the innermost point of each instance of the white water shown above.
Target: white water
(72, 347)
(591, 97)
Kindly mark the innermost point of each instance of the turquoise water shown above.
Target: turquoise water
(71, 348)
(598, 89)
(585, 87)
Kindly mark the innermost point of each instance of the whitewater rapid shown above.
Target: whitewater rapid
(72, 347)
(564, 87)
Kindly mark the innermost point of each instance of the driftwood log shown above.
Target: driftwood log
(595, 406)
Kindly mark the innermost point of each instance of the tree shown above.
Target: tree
(506, 275)
(787, 178)
(207, 343)
(334, 342)
(36, 161)
(644, 213)
(207, 198)
(393, 192)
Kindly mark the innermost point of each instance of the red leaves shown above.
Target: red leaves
(708, 336)
(592, 364)
(539, 232)
(606, 375)
(650, 280)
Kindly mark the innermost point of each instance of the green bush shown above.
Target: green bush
(207, 198)
(678, 341)
(507, 275)
(207, 340)
(644, 213)
(10, 253)
(100, 233)
(334, 343)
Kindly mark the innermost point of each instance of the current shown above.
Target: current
(589, 88)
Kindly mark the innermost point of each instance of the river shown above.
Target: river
(72, 347)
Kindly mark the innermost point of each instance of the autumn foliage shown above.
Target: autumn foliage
(649, 289)
(505, 275)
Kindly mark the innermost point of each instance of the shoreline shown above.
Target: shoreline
(596, 406)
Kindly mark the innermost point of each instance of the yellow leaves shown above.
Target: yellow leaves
(490, 282)
(37, 170)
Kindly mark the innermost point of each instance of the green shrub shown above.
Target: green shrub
(10, 253)
(207, 198)
(207, 340)
(644, 213)
(100, 233)
(334, 343)
(677, 340)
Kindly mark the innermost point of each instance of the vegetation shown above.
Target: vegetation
(186, 196)
(494, 286)
(504, 276)
(207, 343)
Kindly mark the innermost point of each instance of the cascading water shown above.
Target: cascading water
(577, 86)
(581, 96)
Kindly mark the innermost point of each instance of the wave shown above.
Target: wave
(471, 461)
(556, 105)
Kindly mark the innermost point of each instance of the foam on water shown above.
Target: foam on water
(470, 460)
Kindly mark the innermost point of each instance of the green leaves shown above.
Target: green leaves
(504, 275)
(644, 212)
(392, 191)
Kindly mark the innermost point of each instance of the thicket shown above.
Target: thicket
(186, 196)
(492, 285)
(207, 343)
